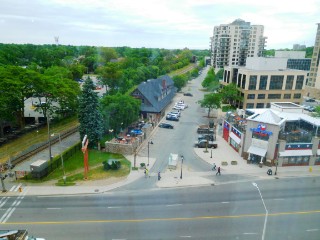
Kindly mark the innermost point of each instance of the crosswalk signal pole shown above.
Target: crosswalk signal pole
(2, 183)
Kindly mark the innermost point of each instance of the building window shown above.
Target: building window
(287, 96)
(274, 96)
(263, 82)
(250, 105)
(276, 82)
(253, 82)
(260, 105)
(297, 95)
(289, 82)
(261, 96)
(243, 81)
(299, 82)
(251, 96)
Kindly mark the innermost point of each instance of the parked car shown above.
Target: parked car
(209, 137)
(177, 107)
(172, 118)
(188, 94)
(136, 131)
(175, 113)
(310, 100)
(205, 144)
(166, 125)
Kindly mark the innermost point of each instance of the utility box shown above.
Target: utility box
(39, 168)
(173, 161)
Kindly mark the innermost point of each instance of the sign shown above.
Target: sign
(261, 130)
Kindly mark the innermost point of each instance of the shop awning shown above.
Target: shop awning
(257, 151)
(235, 138)
(292, 153)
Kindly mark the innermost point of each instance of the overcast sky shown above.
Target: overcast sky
(153, 23)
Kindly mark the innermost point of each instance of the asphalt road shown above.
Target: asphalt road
(230, 211)
(179, 140)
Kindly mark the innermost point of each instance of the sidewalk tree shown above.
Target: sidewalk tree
(179, 82)
(211, 101)
(90, 117)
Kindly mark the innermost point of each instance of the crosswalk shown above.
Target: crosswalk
(8, 204)
(15, 188)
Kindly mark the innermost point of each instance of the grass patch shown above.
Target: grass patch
(75, 173)
(38, 135)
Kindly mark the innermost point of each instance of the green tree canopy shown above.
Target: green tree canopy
(119, 111)
(211, 101)
(230, 94)
(90, 117)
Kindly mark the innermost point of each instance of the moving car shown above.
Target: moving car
(165, 125)
(188, 94)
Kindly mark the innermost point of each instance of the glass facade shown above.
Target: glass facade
(263, 82)
(289, 82)
(274, 96)
(299, 82)
(276, 82)
(287, 96)
(253, 82)
(250, 105)
(251, 96)
(296, 160)
(297, 95)
(261, 96)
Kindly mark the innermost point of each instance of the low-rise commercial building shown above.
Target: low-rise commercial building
(282, 135)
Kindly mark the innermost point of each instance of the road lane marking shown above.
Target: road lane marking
(185, 236)
(114, 207)
(4, 201)
(11, 189)
(8, 215)
(17, 187)
(224, 202)
(53, 208)
(250, 233)
(163, 219)
(312, 230)
(173, 205)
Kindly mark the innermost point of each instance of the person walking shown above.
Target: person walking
(219, 171)
(147, 172)
(214, 167)
(159, 176)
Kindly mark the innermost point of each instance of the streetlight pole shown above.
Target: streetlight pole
(181, 167)
(148, 152)
(50, 154)
(266, 217)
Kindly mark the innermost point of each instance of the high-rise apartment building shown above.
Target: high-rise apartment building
(232, 43)
(313, 84)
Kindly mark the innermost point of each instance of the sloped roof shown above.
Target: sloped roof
(268, 117)
(152, 90)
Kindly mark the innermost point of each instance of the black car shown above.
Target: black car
(209, 137)
(172, 118)
(310, 100)
(188, 94)
(165, 125)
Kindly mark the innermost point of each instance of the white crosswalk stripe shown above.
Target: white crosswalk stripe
(15, 188)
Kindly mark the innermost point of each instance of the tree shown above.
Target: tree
(211, 101)
(179, 81)
(119, 111)
(209, 79)
(316, 112)
(110, 76)
(90, 117)
(231, 94)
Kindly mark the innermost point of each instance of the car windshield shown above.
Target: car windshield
(149, 120)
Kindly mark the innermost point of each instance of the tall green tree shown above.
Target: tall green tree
(211, 101)
(90, 117)
(119, 111)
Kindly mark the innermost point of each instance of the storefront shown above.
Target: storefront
(235, 139)
(226, 129)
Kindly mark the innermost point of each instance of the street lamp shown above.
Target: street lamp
(181, 166)
(266, 217)
(61, 156)
(50, 154)
(149, 142)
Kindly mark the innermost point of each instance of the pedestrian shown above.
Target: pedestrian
(159, 176)
(219, 171)
(147, 172)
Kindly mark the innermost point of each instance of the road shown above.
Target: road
(226, 211)
(179, 140)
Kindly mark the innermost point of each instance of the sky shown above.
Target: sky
(170, 24)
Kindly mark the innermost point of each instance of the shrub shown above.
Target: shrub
(142, 165)
(111, 164)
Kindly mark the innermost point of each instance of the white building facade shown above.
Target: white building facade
(231, 44)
